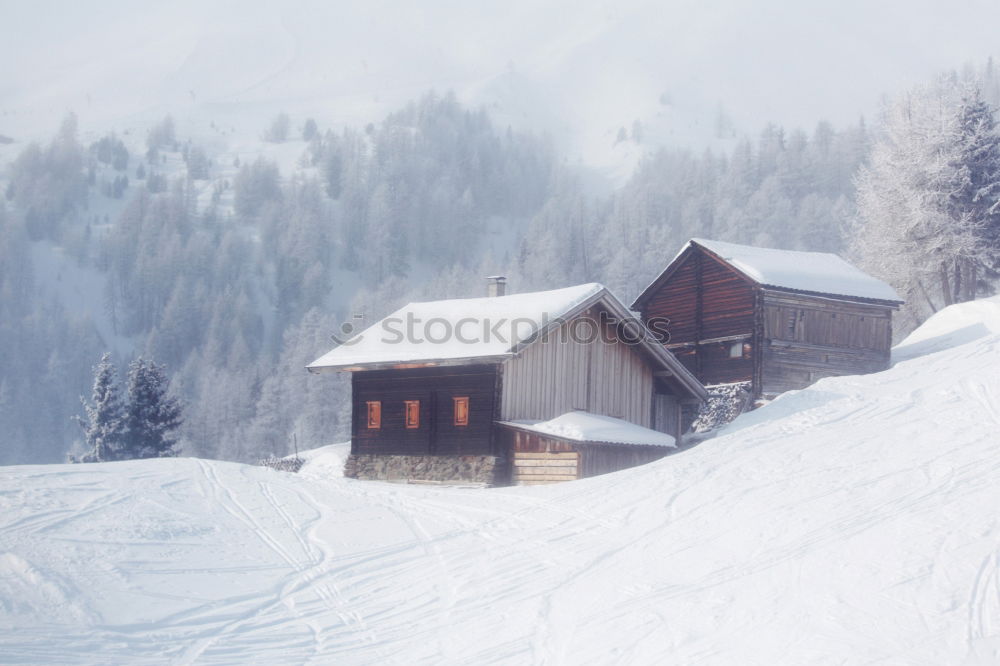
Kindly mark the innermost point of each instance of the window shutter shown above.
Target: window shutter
(412, 414)
(461, 410)
(374, 414)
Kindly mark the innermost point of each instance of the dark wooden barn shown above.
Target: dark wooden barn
(776, 319)
(432, 382)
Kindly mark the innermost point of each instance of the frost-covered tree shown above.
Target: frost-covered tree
(49, 185)
(309, 130)
(104, 424)
(278, 130)
(197, 162)
(905, 234)
(976, 195)
(152, 415)
(161, 135)
(112, 151)
(256, 184)
(927, 195)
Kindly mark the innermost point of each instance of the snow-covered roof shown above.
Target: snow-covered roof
(815, 272)
(484, 330)
(580, 426)
(456, 329)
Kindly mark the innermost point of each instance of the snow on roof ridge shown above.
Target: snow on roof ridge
(589, 287)
(524, 314)
(583, 426)
(825, 272)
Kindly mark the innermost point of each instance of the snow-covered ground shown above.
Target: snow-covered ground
(854, 522)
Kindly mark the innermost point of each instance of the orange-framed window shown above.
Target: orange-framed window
(412, 413)
(374, 414)
(461, 410)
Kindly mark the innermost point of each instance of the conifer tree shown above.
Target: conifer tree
(104, 425)
(152, 416)
(976, 194)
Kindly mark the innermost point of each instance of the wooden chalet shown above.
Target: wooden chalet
(776, 319)
(432, 382)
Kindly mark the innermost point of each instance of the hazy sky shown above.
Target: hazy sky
(580, 68)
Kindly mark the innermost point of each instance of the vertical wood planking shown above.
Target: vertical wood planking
(551, 377)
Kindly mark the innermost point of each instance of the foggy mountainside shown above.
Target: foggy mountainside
(234, 271)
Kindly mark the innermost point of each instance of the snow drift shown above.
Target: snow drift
(582, 426)
(851, 522)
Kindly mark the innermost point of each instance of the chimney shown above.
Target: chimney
(497, 286)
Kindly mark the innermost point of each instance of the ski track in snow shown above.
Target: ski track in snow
(852, 522)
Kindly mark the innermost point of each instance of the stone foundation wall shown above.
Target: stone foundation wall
(485, 470)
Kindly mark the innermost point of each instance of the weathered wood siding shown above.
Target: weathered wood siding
(807, 338)
(530, 469)
(596, 459)
(535, 459)
(727, 301)
(666, 412)
(821, 321)
(787, 340)
(678, 301)
(705, 300)
(434, 388)
(558, 375)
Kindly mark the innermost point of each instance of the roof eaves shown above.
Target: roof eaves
(727, 262)
(659, 279)
(834, 296)
(582, 306)
(666, 358)
(524, 427)
(410, 363)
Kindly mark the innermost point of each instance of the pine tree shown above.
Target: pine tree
(152, 416)
(976, 194)
(309, 130)
(104, 425)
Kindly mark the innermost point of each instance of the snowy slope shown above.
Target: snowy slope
(854, 522)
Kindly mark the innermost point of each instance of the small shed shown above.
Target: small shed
(775, 319)
(431, 382)
(578, 445)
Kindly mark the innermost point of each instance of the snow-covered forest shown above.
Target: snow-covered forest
(234, 270)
